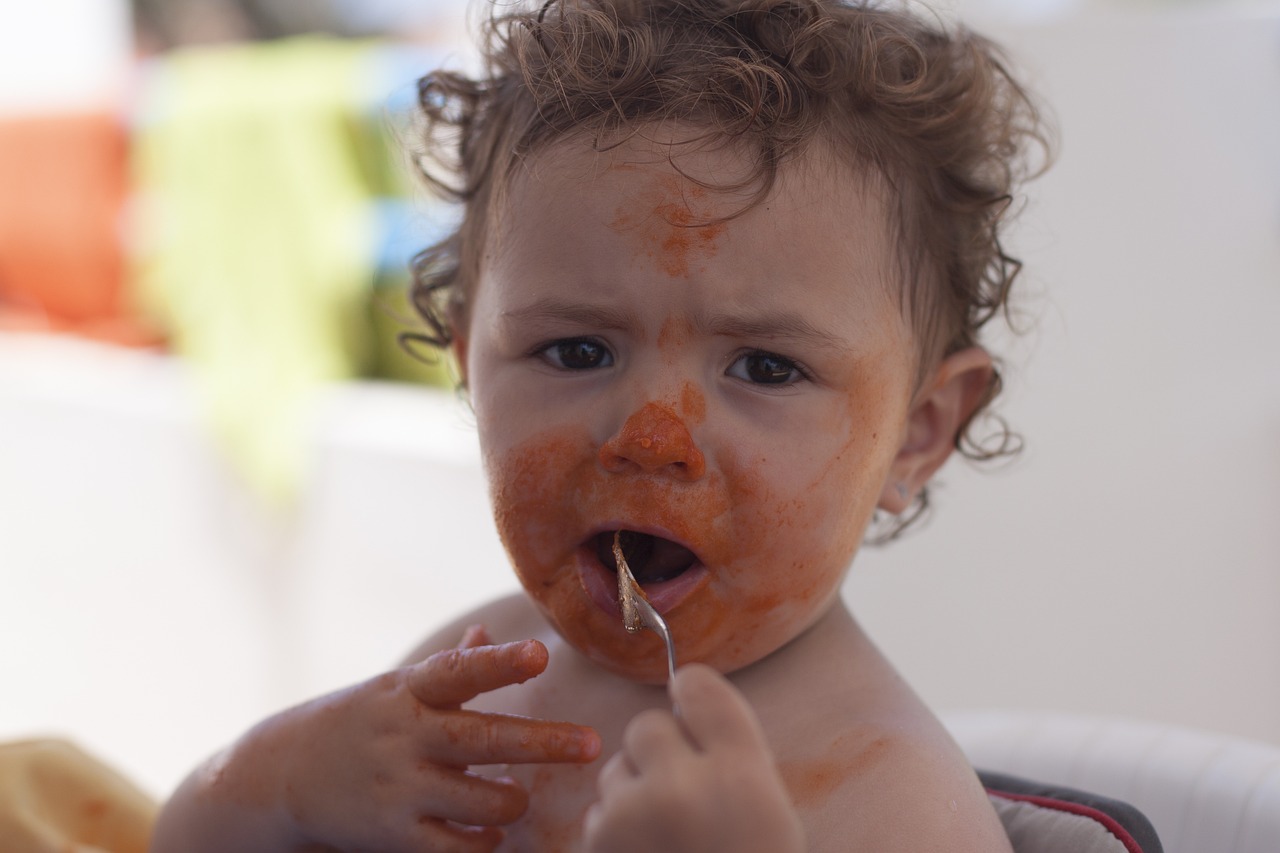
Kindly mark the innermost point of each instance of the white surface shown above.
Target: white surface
(63, 55)
(1203, 793)
(151, 609)
(1128, 564)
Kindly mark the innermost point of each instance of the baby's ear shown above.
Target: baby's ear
(459, 349)
(943, 403)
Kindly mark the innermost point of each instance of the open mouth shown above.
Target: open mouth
(651, 559)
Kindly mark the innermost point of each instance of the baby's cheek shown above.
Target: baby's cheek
(782, 569)
(546, 493)
(533, 500)
(777, 546)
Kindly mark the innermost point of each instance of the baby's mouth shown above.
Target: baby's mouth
(651, 559)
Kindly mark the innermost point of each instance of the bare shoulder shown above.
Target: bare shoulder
(911, 789)
(507, 619)
(867, 764)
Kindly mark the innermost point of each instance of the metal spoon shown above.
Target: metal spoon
(637, 612)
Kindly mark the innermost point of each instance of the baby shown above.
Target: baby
(718, 284)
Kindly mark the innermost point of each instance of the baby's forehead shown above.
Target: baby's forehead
(681, 199)
(689, 153)
(721, 176)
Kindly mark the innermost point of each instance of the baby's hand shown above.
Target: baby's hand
(383, 765)
(703, 781)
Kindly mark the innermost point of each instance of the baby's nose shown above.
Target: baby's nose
(654, 440)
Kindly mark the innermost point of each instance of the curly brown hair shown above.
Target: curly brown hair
(931, 109)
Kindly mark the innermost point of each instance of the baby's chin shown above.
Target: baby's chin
(637, 673)
(639, 658)
(645, 661)
(706, 630)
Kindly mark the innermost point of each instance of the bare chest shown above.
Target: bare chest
(559, 796)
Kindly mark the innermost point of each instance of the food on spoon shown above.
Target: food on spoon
(628, 589)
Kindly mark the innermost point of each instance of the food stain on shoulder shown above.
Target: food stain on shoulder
(812, 781)
(673, 223)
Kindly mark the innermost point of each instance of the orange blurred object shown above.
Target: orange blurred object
(63, 184)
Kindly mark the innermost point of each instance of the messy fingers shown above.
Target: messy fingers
(441, 836)
(451, 677)
(467, 737)
(469, 798)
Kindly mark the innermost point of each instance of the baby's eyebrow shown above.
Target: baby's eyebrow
(597, 316)
(776, 326)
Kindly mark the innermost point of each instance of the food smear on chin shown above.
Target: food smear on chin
(550, 493)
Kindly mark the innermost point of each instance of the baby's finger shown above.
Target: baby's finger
(617, 773)
(467, 737)
(713, 712)
(468, 798)
(449, 678)
(654, 741)
(474, 636)
(591, 824)
(441, 836)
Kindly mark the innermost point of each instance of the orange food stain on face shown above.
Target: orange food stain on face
(551, 495)
(674, 334)
(652, 439)
(671, 232)
(787, 490)
(693, 405)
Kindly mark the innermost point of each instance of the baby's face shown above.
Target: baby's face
(736, 391)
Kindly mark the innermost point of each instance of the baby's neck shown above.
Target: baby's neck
(833, 650)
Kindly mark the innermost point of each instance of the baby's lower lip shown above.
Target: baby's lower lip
(601, 585)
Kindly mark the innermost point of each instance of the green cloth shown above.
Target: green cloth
(257, 166)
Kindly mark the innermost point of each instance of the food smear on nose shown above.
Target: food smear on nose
(671, 232)
(654, 438)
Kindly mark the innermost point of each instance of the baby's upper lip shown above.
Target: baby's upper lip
(600, 550)
(656, 531)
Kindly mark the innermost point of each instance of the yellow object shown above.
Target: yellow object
(55, 798)
(257, 166)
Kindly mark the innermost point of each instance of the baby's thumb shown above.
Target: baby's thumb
(474, 637)
(713, 712)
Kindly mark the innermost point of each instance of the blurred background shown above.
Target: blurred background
(224, 489)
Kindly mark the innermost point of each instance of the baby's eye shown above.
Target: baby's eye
(766, 368)
(577, 354)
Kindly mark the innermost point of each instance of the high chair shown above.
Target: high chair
(1202, 792)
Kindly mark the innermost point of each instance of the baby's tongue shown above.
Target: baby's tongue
(665, 560)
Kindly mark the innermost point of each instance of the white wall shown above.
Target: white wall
(152, 609)
(60, 55)
(1128, 564)
(1131, 561)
